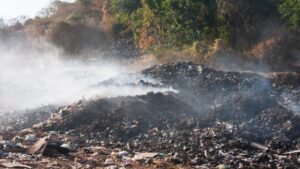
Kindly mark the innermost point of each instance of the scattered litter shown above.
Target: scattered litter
(14, 165)
(144, 156)
(43, 147)
(109, 161)
(30, 137)
(216, 120)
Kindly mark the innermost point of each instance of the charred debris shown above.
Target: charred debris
(215, 119)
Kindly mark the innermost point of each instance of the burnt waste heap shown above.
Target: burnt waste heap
(213, 119)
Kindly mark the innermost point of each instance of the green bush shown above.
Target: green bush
(290, 10)
(174, 22)
(117, 28)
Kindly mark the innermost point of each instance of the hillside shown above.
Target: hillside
(207, 31)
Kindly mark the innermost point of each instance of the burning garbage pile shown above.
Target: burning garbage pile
(214, 119)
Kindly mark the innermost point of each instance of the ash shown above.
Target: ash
(210, 119)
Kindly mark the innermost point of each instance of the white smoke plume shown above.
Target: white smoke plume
(30, 78)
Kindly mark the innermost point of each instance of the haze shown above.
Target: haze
(30, 78)
(13, 8)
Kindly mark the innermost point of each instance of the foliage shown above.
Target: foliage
(165, 22)
(175, 23)
(160, 24)
(290, 10)
(74, 27)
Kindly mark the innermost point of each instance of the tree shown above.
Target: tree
(166, 22)
(290, 10)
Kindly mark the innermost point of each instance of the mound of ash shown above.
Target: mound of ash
(287, 78)
(130, 80)
(226, 94)
(121, 117)
(15, 121)
(203, 92)
(275, 122)
(216, 119)
(185, 75)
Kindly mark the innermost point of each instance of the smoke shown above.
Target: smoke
(31, 77)
(227, 62)
(290, 100)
